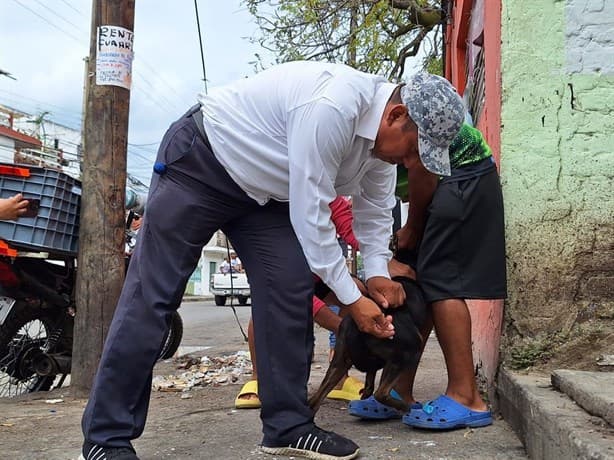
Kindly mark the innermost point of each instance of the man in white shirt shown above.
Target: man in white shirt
(261, 159)
(235, 263)
(225, 266)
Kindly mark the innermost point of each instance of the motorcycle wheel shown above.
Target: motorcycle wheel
(173, 337)
(24, 334)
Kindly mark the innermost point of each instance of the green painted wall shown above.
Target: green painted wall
(557, 170)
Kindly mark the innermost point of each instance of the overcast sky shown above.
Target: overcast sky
(44, 42)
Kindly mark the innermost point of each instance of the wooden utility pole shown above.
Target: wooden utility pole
(105, 138)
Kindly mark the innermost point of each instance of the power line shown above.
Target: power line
(58, 15)
(73, 8)
(200, 42)
(154, 72)
(69, 113)
(163, 99)
(144, 145)
(142, 77)
(48, 22)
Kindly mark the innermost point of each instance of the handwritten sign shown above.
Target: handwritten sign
(114, 56)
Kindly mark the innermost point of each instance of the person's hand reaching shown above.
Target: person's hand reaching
(386, 293)
(370, 319)
(13, 207)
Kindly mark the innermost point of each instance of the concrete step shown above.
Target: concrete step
(594, 391)
(549, 423)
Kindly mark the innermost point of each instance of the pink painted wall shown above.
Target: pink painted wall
(470, 17)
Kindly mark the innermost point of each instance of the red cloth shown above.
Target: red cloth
(317, 305)
(341, 215)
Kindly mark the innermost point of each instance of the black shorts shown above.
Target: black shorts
(462, 252)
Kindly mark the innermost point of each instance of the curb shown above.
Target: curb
(594, 391)
(551, 425)
(196, 298)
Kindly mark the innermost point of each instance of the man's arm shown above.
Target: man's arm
(318, 136)
(421, 185)
(372, 210)
(373, 225)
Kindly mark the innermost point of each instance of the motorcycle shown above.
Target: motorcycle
(37, 310)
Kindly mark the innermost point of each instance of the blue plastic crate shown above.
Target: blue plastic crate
(56, 227)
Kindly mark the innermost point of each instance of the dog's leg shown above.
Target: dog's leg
(337, 368)
(369, 385)
(390, 375)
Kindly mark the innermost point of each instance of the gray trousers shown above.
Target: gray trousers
(186, 205)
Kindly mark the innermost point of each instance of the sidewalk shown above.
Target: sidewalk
(202, 423)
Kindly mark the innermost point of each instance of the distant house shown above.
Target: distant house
(36, 140)
(213, 255)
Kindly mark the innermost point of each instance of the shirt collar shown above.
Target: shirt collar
(370, 121)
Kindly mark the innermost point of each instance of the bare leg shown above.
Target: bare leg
(252, 352)
(252, 348)
(405, 383)
(453, 327)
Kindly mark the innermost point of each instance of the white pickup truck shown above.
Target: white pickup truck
(220, 287)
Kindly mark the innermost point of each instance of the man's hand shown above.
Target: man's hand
(386, 293)
(396, 268)
(13, 207)
(370, 319)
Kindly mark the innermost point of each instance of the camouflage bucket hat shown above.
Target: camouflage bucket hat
(438, 111)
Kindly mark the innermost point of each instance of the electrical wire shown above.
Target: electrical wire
(59, 15)
(200, 42)
(149, 97)
(73, 8)
(48, 22)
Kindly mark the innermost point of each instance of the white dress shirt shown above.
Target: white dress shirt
(303, 132)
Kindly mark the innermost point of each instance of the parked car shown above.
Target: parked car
(224, 285)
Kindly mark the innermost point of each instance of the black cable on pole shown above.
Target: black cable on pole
(200, 41)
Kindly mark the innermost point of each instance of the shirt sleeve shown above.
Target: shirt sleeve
(342, 218)
(318, 136)
(372, 211)
(317, 305)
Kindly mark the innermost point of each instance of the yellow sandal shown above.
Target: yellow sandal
(350, 390)
(249, 388)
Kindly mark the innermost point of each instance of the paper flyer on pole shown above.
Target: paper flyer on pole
(114, 56)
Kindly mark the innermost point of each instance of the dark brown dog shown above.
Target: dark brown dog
(369, 354)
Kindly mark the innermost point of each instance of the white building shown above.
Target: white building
(57, 146)
(213, 255)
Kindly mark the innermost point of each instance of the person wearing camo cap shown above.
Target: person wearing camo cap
(458, 247)
(261, 159)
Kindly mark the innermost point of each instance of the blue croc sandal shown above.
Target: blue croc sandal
(444, 413)
(372, 409)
